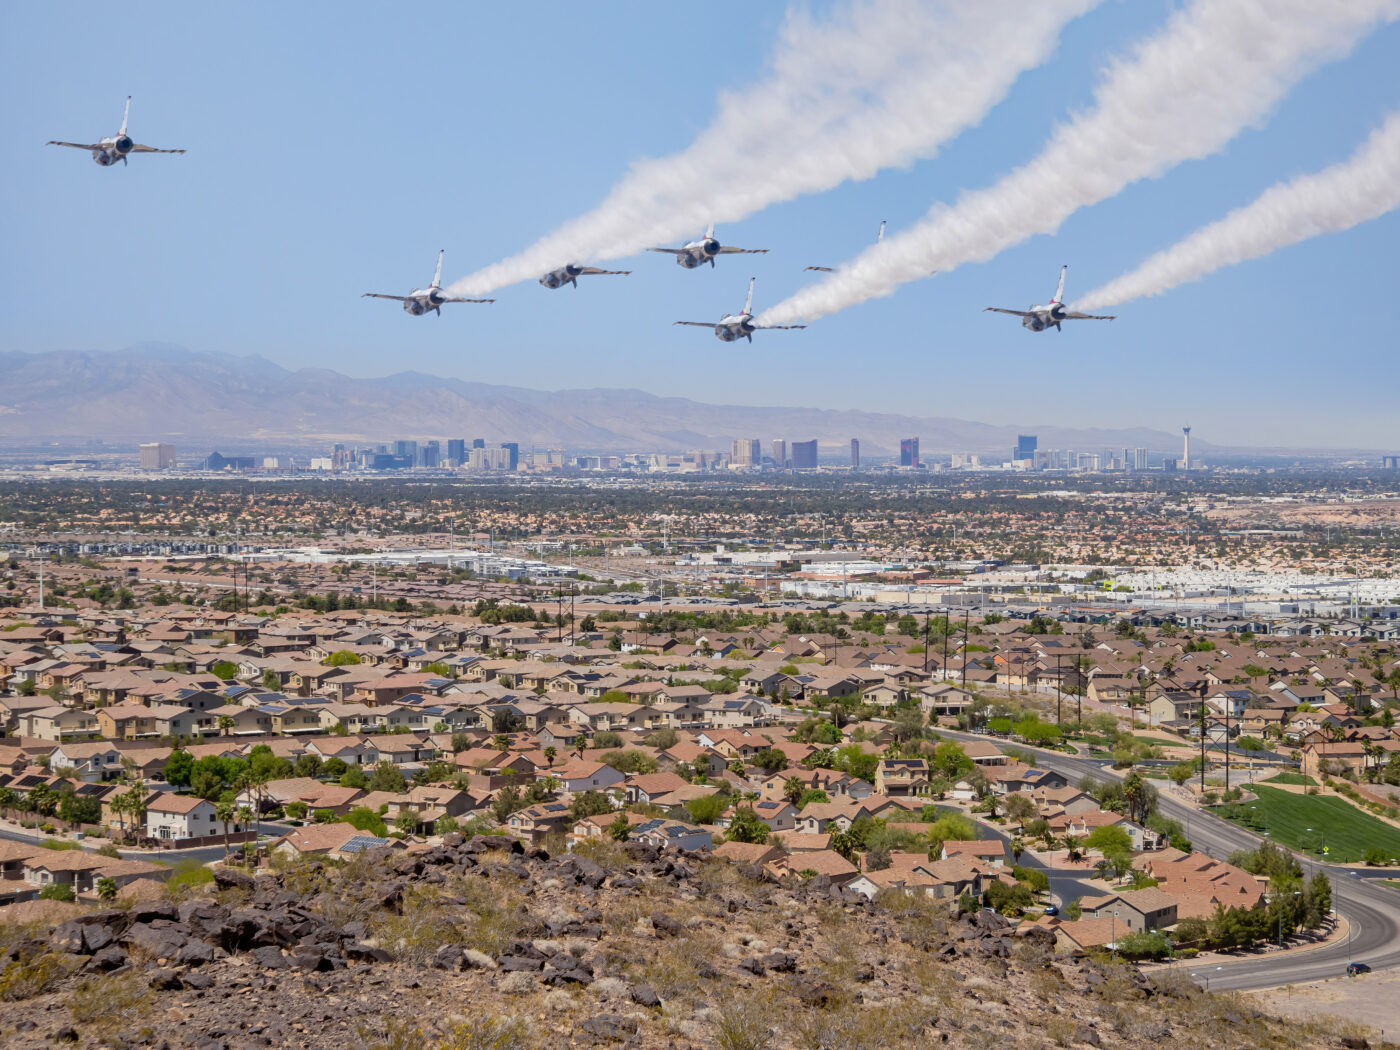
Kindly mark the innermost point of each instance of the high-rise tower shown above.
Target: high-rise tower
(1186, 447)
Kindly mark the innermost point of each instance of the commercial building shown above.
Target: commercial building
(157, 456)
(745, 452)
(804, 455)
(1025, 449)
(456, 451)
(780, 454)
(513, 448)
(855, 453)
(909, 452)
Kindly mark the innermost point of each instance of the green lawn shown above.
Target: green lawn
(1346, 831)
(1289, 777)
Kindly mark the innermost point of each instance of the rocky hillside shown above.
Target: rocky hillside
(482, 945)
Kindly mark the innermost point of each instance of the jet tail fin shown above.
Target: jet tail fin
(748, 302)
(126, 114)
(881, 235)
(437, 274)
(1060, 288)
(710, 232)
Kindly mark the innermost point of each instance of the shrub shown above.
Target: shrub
(1032, 877)
(112, 1001)
(490, 1033)
(24, 979)
(56, 891)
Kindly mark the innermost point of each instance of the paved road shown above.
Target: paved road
(202, 854)
(1371, 909)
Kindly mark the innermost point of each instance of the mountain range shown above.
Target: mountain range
(154, 392)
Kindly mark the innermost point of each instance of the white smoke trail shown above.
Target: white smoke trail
(1215, 67)
(882, 84)
(1363, 187)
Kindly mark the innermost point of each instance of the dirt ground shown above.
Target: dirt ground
(1372, 1000)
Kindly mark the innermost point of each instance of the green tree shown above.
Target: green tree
(366, 819)
(308, 765)
(224, 670)
(57, 891)
(1109, 838)
(106, 890)
(387, 777)
(589, 804)
(406, 821)
(607, 741)
(354, 777)
(271, 680)
(341, 658)
(179, 768)
(334, 767)
(770, 760)
(619, 829)
(747, 827)
(951, 760)
(706, 809)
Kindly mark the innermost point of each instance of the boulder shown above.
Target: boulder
(157, 942)
(612, 1027)
(232, 879)
(645, 995)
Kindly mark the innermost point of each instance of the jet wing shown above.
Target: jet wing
(727, 250)
(669, 251)
(594, 270)
(1013, 313)
(771, 327)
(376, 295)
(446, 300)
(1072, 316)
(699, 324)
(820, 269)
(75, 145)
(152, 149)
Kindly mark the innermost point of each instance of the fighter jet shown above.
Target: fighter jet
(736, 326)
(421, 300)
(704, 250)
(115, 147)
(830, 269)
(571, 273)
(1039, 318)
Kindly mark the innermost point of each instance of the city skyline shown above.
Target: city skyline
(1164, 360)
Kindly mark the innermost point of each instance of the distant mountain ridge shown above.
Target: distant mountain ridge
(160, 392)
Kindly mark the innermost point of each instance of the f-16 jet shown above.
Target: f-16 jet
(108, 151)
(1039, 318)
(738, 326)
(704, 250)
(571, 273)
(831, 269)
(421, 300)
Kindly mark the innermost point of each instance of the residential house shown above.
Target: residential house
(170, 816)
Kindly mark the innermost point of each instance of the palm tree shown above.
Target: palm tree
(226, 722)
(224, 812)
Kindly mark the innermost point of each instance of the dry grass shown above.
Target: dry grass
(111, 1001)
(744, 1021)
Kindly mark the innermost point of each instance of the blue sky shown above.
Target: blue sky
(333, 148)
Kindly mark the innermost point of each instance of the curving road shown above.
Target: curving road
(1372, 910)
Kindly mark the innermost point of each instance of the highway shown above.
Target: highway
(1372, 910)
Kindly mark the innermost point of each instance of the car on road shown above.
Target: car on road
(1357, 968)
(1051, 909)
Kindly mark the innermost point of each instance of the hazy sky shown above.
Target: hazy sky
(335, 147)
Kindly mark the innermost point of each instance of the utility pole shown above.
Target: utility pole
(927, 617)
(41, 581)
(1059, 690)
(964, 665)
(1203, 748)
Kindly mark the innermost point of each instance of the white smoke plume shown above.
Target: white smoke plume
(1363, 187)
(881, 84)
(1183, 93)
